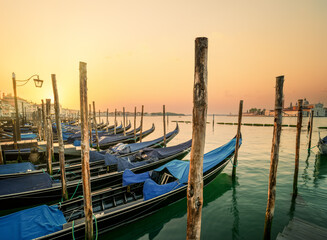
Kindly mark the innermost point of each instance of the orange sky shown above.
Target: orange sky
(142, 52)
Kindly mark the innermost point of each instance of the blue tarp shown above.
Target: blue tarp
(151, 189)
(145, 156)
(113, 138)
(28, 136)
(25, 183)
(180, 170)
(16, 168)
(31, 223)
(137, 146)
(96, 156)
(324, 140)
(129, 177)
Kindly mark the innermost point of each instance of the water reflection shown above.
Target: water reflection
(153, 224)
(235, 212)
(305, 175)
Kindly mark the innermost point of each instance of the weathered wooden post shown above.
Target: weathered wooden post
(85, 153)
(297, 146)
(115, 124)
(107, 120)
(99, 117)
(124, 121)
(39, 123)
(17, 126)
(238, 135)
(44, 121)
(167, 120)
(96, 128)
(274, 157)
(90, 125)
(49, 140)
(311, 127)
(213, 120)
(141, 130)
(60, 140)
(164, 124)
(23, 115)
(200, 104)
(1, 157)
(134, 123)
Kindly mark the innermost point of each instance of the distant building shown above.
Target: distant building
(318, 110)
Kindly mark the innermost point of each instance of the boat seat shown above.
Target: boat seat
(165, 178)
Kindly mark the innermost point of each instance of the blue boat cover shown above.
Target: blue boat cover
(324, 140)
(133, 147)
(25, 183)
(113, 138)
(31, 223)
(129, 177)
(151, 189)
(180, 170)
(28, 136)
(96, 156)
(16, 168)
(145, 156)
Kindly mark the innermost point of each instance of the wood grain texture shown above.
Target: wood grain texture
(60, 139)
(238, 135)
(274, 157)
(199, 119)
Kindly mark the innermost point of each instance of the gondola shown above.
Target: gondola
(141, 195)
(108, 141)
(97, 161)
(41, 188)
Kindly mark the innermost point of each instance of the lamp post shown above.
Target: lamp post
(38, 83)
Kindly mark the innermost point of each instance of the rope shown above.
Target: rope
(230, 159)
(96, 227)
(76, 189)
(73, 230)
(311, 148)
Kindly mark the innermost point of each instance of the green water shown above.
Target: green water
(236, 210)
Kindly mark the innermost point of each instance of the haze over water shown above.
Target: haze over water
(237, 211)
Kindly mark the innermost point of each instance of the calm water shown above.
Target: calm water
(237, 210)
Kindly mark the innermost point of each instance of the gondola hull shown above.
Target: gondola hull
(42, 196)
(134, 211)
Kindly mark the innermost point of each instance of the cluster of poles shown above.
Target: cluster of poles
(199, 120)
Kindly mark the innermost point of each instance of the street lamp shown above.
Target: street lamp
(38, 84)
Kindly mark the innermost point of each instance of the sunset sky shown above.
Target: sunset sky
(142, 52)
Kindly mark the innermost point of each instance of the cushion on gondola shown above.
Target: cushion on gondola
(16, 168)
(32, 223)
(151, 189)
(25, 183)
(129, 177)
(121, 148)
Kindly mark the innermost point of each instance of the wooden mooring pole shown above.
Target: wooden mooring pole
(96, 127)
(297, 146)
(274, 157)
(238, 135)
(141, 132)
(134, 123)
(124, 121)
(44, 121)
(91, 123)
(85, 154)
(49, 140)
(310, 131)
(200, 104)
(107, 120)
(60, 140)
(164, 123)
(99, 117)
(115, 124)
